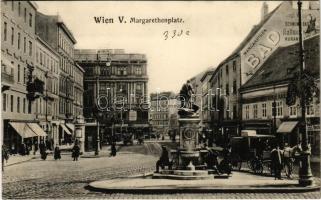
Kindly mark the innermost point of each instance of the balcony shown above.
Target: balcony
(7, 78)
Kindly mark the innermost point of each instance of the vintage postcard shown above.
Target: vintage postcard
(160, 99)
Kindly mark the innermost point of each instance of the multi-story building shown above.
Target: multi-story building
(46, 106)
(270, 84)
(276, 29)
(18, 44)
(120, 80)
(163, 112)
(55, 32)
(205, 110)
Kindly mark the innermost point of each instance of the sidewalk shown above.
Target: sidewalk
(16, 159)
(238, 182)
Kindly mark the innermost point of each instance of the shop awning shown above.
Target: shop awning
(23, 130)
(287, 127)
(37, 129)
(71, 126)
(65, 129)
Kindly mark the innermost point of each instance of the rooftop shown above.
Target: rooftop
(284, 62)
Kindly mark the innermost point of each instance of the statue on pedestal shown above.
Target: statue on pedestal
(188, 108)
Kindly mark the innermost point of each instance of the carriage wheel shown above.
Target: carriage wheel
(258, 168)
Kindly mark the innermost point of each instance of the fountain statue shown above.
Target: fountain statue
(188, 156)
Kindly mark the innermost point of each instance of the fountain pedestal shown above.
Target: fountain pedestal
(188, 153)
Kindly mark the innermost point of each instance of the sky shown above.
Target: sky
(211, 31)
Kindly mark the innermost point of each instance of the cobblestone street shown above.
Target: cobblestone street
(68, 179)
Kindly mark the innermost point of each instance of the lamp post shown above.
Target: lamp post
(98, 114)
(305, 175)
(97, 73)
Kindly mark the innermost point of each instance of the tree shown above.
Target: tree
(304, 86)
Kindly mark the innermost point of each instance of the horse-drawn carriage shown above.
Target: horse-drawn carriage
(255, 150)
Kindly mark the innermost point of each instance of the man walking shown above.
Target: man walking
(276, 160)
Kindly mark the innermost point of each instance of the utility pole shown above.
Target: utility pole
(305, 175)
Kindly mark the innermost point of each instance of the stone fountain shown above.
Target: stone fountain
(187, 157)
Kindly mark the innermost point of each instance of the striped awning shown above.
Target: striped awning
(65, 129)
(23, 129)
(37, 129)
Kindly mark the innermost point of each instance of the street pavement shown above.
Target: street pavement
(68, 179)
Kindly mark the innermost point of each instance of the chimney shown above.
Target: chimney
(264, 11)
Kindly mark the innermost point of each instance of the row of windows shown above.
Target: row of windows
(292, 110)
(9, 104)
(16, 39)
(19, 9)
(47, 61)
(160, 116)
(66, 45)
(161, 123)
(67, 66)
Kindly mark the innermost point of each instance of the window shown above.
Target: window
(11, 103)
(138, 71)
(234, 112)
(24, 75)
(25, 15)
(255, 111)
(12, 35)
(12, 5)
(234, 87)
(5, 29)
(309, 110)
(263, 110)
(19, 8)
(24, 105)
(24, 44)
(30, 48)
(292, 111)
(227, 89)
(234, 65)
(4, 102)
(278, 108)
(19, 74)
(18, 104)
(19, 38)
(30, 19)
(226, 69)
(247, 112)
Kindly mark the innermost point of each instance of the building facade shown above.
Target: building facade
(163, 113)
(18, 43)
(55, 32)
(46, 106)
(276, 29)
(270, 84)
(120, 80)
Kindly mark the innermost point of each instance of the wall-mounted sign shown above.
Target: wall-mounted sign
(280, 30)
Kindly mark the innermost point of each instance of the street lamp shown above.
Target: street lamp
(99, 113)
(305, 175)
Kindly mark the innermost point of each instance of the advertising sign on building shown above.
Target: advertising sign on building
(280, 29)
(132, 115)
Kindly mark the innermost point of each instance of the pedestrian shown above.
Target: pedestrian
(43, 152)
(113, 150)
(5, 155)
(75, 152)
(57, 153)
(276, 162)
(163, 160)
